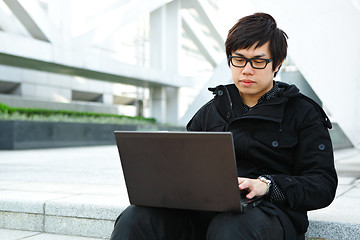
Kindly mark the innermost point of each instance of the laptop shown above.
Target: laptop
(182, 170)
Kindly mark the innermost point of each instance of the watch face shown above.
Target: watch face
(263, 179)
(267, 181)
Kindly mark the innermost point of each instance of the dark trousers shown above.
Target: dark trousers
(148, 223)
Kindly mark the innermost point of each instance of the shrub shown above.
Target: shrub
(3, 108)
(43, 114)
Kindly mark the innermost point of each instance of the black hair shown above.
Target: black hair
(257, 28)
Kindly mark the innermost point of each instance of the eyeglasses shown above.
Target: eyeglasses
(256, 63)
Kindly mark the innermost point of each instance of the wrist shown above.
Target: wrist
(267, 181)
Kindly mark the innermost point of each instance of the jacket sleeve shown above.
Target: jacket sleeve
(207, 119)
(197, 122)
(314, 182)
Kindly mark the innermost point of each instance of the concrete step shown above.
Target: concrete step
(70, 209)
(325, 230)
(85, 210)
(340, 220)
(10, 234)
(79, 192)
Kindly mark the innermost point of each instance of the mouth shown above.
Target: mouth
(247, 82)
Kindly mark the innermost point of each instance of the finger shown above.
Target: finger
(241, 180)
(244, 184)
(250, 195)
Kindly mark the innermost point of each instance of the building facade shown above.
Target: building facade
(156, 58)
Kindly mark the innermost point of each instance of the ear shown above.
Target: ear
(278, 68)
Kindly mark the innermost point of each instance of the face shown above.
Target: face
(253, 83)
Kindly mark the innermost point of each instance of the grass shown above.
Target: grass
(33, 114)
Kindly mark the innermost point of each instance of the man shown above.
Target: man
(282, 146)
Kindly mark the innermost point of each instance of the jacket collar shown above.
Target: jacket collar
(227, 98)
(230, 106)
(223, 101)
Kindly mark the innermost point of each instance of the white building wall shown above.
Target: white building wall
(324, 44)
(82, 52)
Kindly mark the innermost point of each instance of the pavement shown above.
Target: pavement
(77, 193)
(68, 191)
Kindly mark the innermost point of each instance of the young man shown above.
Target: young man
(281, 143)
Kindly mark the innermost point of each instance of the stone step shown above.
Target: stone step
(75, 209)
(64, 212)
(11, 234)
(81, 191)
(325, 230)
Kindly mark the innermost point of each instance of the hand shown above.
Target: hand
(255, 187)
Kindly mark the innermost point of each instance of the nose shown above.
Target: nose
(247, 69)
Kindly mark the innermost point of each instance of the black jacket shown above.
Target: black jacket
(285, 137)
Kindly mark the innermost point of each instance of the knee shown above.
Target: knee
(129, 222)
(221, 227)
(133, 215)
(251, 225)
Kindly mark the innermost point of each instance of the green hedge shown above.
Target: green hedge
(3, 108)
(30, 113)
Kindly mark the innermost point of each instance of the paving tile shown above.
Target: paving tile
(4, 183)
(9, 234)
(354, 192)
(39, 187)
(100, 189)
(48, 236)
(346, 180)
(71, 188)
(342, 210)
(342, 189)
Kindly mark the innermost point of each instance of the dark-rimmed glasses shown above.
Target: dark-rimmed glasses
(256, 63)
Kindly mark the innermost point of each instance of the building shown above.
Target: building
(156, 58)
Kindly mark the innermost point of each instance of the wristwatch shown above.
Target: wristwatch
(267, 181)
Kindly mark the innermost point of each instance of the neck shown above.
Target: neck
(250, 100)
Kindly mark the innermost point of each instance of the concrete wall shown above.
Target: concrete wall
(22, 87)
(324, 45)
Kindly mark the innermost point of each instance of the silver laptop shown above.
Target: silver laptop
(183, 170)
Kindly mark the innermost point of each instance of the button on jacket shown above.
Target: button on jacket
(285, 137)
